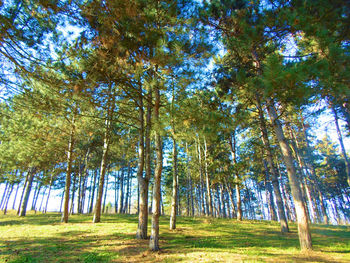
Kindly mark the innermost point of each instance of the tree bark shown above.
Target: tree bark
(302, 218)
(105, 193)
(28, 188)
(8, 198)
(273, 169)
(23, 191)
(143, 181)
(48, 194)
(207, 179)
(69, 171)
(342, 147)
(14, 200)
(154, 240)
(175, 189)
(106, 141)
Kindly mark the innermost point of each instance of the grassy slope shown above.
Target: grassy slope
(41, 238)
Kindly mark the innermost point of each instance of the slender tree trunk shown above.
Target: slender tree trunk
(270, 195)
(92, 196)
(4, 194)
(105, 195)
(233, 145)
(35, 194)
(69, 171)
(126, 203)
(273, 169)
(175, 189)
(8, 198)
(42, 200)
(207, 179)
(230, 194)
(73, 194)
(28, 188)
(48, 194)
(323, 208)
(97, 208)
(222, 199)
(342, 147)
(116, 189)
(154, 240)
(14, 200)
(23, 191)
(121, 192)
(143, 182)
(303, 224)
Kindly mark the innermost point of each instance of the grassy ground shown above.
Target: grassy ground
(41, 238)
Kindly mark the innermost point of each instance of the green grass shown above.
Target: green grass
(42, 238)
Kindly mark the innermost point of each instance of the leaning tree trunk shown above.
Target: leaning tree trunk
(175, 189)
(273, 169)
(27, 192)
(14, 200)
(154, 240)
(302, 217)
(340, 138)
(69, 171)
(8, 199)
(23, 191)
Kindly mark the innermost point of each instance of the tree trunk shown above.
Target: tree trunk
(342, 147)
(175, 188)
(97, 208)
(8, 198)
(142, 181)
(271, 204)
(73, 195)
(207, 179)
(69, 171)
(4, 194)
(14, 200)
(121, 192)
(273, 169)
(201, 190)
(126, 203)
(27, 192)
(116, 189)
(23, 191)
(42, 200)
(48, 194)
(105, 195)
(92, 191)
(38, 184)
(233, 145)
(233, 207)
(303, 224)
(154, 240)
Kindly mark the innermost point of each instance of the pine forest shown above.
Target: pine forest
(167, 131)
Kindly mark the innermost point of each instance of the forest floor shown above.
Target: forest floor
(42, 238)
